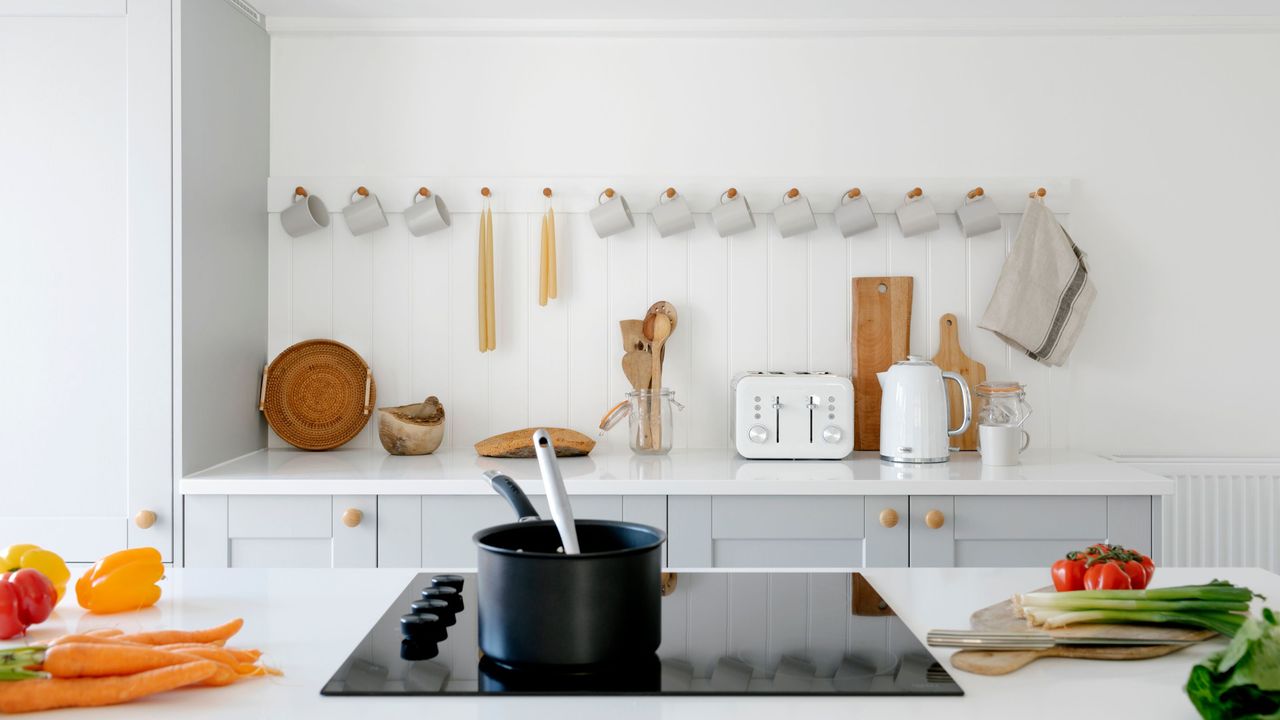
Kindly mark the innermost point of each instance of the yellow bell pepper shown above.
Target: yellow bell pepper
(18, 557)
(121, 581)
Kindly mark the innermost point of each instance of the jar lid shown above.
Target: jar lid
(1000, 387)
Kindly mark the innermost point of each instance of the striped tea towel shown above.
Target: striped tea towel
(1044, 293)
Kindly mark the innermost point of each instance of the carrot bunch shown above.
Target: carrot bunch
(106, 667)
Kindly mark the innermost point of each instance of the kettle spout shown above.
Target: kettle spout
(880, 376)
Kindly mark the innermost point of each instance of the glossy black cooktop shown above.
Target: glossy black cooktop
(723, 633)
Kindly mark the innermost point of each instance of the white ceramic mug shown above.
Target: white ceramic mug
(733, 214)
(611, 215)
(427, 216)
(854, 215)
(794, 216)
(917, 215)
(672, 214)
(306, 214)
(978, 215)
(1002, 444)
(365, 214)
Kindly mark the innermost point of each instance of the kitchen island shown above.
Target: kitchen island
(308, 621)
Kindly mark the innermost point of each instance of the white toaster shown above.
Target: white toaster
(792, 415)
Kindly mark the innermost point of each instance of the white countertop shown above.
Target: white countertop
(308, 621)
(683, 472)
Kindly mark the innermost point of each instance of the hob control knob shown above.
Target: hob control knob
(832, 434)
(758, 433)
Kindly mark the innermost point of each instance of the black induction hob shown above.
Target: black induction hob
(723, 633)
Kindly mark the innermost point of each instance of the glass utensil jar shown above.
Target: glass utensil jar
(649, 420)
(1002, 403)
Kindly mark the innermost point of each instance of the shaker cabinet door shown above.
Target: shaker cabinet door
(766, 531)
(279, 531)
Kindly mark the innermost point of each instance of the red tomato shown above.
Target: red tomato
(1137, 575)
(10, 624)
(36, 595)
(1068, 573)
(1148, 565)
(1107, 576)
(1097, 550)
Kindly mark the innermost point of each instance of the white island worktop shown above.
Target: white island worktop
(683, 472)
(308, 621)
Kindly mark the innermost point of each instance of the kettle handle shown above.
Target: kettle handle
(968, 403)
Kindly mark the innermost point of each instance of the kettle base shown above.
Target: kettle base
(915, 461)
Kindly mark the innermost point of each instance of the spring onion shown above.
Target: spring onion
(1217, 606)
(14, 663)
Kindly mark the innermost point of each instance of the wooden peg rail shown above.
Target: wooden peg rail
(1038, 192)
(976, 193)
(915, 193)
(484, 191)
(424, 192)
(670, 192)
(300, 191)
(546, 192)
(608, 192)
(362, 191)
(793, 193)
(731, 193)
(854, 193)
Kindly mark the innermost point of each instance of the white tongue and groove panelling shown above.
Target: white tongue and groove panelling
(754, 301)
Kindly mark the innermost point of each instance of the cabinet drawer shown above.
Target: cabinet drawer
(279, 516)
(787, 553)
(448, 522)
(781, 518)
(1030, 518)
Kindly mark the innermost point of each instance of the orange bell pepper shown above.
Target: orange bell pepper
(121, 581)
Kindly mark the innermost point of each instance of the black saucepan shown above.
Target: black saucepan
(539, 606)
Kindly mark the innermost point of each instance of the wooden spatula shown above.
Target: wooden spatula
(952, 359)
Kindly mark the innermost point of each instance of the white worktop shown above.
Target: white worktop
(308, 621)
(683, 472)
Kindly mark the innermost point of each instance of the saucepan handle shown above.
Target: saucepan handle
(507, 488)
(968, 403)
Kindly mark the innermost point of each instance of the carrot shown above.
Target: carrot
(105, 632)
(217, 635)
(74, 660)
(206, 652)
(91, 640)
(31, 695)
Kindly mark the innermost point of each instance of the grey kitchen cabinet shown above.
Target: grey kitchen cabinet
(435, 530)
(793, 531)
(315, 531)
(1022, 531)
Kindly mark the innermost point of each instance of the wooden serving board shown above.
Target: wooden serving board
(881, 336)
(1000, 618)
(952, 359)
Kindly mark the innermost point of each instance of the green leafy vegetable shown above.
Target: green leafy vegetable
(1243, 681)
(1217, 606)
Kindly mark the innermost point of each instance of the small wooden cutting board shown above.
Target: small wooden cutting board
(1000, 618)
(952, 359)
(881, 337)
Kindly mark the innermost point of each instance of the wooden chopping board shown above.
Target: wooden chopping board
(1000, 618)
(881, 336)
(952, 359)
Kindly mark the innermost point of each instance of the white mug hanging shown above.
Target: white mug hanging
(611, 215)
(917, 215)
(733, 214)
(978, 214)
(794, 216)
(427, 216)
(364, 215)
(672, 214)
(306, 214)
(853, 214)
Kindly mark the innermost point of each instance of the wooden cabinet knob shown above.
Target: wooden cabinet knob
(934, 519)
(889, 517)
(351, 517)
(144, 519)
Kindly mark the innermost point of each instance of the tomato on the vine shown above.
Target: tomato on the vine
(1068, 573)
(1107, 576)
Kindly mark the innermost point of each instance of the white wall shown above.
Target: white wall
(1171, 138)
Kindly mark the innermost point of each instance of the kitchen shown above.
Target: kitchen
(492, 220)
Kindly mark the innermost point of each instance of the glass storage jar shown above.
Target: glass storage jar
(1001, 402)
(649, 420)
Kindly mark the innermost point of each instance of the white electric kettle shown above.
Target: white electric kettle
(915, 413)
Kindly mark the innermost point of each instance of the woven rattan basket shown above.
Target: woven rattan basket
(317, 394)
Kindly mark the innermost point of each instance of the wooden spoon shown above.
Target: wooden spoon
(661, 331)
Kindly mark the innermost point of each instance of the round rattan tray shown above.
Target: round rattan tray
(317, 394)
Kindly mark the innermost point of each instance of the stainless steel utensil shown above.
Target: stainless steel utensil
(557, 497)
(1033, 640)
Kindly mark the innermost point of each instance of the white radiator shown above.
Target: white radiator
(1225, 512)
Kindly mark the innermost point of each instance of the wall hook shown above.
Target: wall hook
(915, 193)
(300, 191)
(485, 191)
(853, 193)
(546, 192)
(793, 193)
(669, 192)
(362, 191)
(1038, 192)
(975, 193)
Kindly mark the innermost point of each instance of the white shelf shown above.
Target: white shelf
(683, 472)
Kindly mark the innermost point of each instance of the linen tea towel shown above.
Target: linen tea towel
(1044, 293)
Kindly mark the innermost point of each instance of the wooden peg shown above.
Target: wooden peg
(793, 193)
(855, 192)
(915, 193)
(300, 191)
(976, 193)
(1038, 192)
(362, 191)
(608, 192)
(670, 192)
(424, 192)
(731, 193)
(546, 192)
(484, 191)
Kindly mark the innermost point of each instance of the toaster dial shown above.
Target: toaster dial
(832, 434)
(758, 433)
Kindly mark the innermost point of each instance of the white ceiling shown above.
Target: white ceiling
(759, 9)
